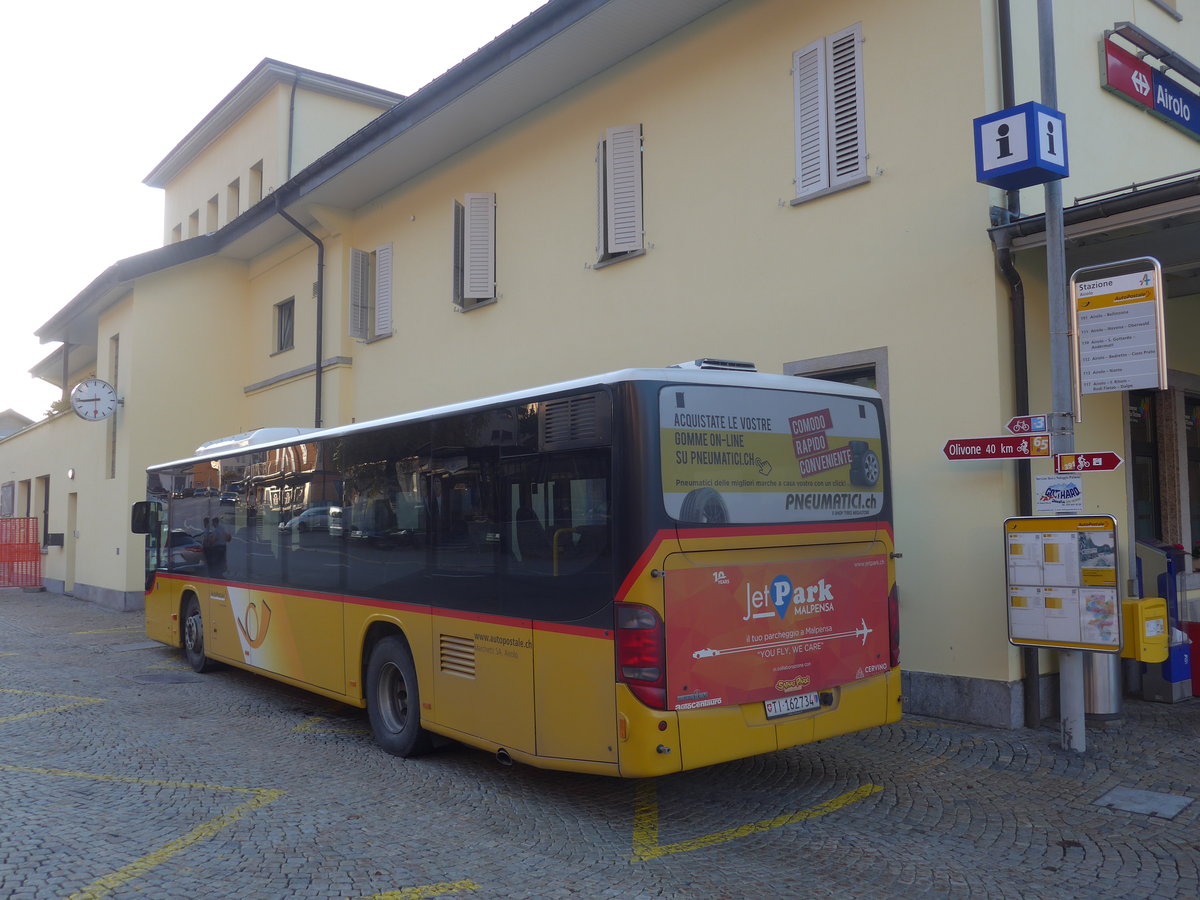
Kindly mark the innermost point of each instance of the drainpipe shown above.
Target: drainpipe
(1031, 680)
(319, 291)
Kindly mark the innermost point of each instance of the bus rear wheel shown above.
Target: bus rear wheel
(393, 699)
(193, 636)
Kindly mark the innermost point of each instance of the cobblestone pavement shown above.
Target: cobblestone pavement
(123, 774)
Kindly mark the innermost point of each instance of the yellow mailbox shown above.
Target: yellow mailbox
(1145, 629)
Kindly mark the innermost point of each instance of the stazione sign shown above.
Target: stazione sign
(1120, 344)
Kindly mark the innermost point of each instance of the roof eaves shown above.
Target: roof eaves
(266, 75)
(525, 36)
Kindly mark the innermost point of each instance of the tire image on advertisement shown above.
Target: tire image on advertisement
(704, 505)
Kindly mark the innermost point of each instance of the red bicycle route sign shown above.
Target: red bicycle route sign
(1023, 447)
(1072, 463)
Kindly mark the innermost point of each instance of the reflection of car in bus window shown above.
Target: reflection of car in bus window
(185, 551)
(313, 519)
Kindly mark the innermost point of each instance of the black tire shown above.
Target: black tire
(394, 700)
(703, 505)
(193, 636)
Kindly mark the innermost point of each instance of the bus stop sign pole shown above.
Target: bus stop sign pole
(1070, 662)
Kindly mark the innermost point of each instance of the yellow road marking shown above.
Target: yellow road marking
(82, 701)
(645, 822)
(122, 630)
(104, 886)
(427, 890)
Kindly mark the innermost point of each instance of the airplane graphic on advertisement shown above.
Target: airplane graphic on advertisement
(861, 633)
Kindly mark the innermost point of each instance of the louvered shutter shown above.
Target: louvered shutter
(360, 271)
(808, 83)
(623, 188)
(479, 247)
(847, 151)
(601, 201)
(383, 291)
(457, 256)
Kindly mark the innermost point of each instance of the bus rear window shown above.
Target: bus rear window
(751, 455)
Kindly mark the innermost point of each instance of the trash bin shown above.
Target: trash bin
(1102, 685)
(1170, 681)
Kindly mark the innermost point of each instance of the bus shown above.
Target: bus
(633, 574)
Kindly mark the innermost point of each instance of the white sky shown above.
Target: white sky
(96, 94)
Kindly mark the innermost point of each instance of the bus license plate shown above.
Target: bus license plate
(786, 706)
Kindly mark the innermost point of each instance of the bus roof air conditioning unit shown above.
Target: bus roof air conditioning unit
(726, 365)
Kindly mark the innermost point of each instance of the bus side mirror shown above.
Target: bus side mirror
(139, 517)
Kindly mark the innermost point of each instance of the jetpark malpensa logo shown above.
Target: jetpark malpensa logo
(776, 598)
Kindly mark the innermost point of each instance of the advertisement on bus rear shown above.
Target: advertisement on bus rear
(746, 456)
(768, 632)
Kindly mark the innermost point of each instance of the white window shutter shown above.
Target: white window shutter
(623, 185)
(601, 201)
(360, 267)
(479, 247)
(383, 291)
(848, 146)
(808, 83)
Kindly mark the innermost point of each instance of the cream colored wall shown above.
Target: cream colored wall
(733, 270)
(1112, 142)
(322, 122)
(261, 134)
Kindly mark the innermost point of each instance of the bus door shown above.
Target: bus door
(558, 567)
(482, 650)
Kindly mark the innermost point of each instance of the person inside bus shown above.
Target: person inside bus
(215, 540)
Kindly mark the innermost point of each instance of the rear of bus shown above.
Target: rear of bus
(761, 612)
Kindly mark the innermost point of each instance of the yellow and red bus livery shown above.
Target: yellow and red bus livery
(634, 574)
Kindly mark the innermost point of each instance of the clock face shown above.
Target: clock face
(94, 399)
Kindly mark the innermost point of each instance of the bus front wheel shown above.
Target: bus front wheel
(393, 700)
(193, 636)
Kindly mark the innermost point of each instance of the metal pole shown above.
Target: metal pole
(1070, 662)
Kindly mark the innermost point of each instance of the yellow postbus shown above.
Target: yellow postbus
(639, 573)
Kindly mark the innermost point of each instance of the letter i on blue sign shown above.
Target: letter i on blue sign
(781, 594)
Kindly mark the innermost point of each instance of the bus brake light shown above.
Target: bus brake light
(642, 653)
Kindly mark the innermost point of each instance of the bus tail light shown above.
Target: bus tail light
(893, 628)
(642, 653)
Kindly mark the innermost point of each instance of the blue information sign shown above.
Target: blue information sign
(1021, 146)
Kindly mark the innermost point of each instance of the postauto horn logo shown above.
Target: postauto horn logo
(781, 595)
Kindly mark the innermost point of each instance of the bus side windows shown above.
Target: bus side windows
(557, 533)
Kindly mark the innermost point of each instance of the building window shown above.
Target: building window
(193, 223)
(371, 293)
(210, 215)
(865, 368)
(1143, 446)
(827, 81)
(233, 200)
(285, 325)
(114, 374)
(620, 227)
(474, 251)
(176, 234)
(256, 182)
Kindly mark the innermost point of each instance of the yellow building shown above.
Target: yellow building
(622, 183)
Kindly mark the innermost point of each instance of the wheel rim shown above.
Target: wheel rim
(193, 633)
(871, 466)
(393, 698)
